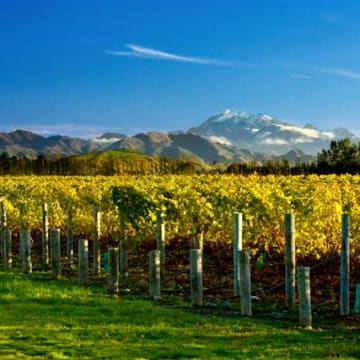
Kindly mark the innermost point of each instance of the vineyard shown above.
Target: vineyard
(178, 214)
(192, 205)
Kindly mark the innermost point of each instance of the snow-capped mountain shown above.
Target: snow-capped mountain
(263, 133)
(227, 137)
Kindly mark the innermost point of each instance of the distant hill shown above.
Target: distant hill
(26, 143)
(183, 145)
(226, 137)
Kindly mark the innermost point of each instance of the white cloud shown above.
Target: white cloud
(133, 50)
(106, 141)
(124, 53)
(144, 52)
(308, 132)
(308, 135)
(328, 134)
(220, 139)
(340, 72)
(301, 140)
(337, 71)
(312, 133)
(270, 141)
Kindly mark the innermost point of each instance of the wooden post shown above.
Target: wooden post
(3, 215)
(25, 250)
(106, 261)
(123, 260)
(196, 277)
(345, 266)
(113, 276)
(199, 240)
(55, 250)
(245, 282)
(237, 246)
(2, 225)
(83, 261)
(22, 215)
(304, 296)
(7, 243)
(160, 241)
(357, 299)
(155, 274)
(45, 235)
(290, 261)
(97, 234)
(69, 239)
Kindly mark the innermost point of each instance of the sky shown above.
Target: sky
(85, 67)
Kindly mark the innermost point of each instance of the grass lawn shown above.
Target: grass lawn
(42, 318)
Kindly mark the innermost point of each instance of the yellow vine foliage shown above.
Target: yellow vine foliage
(194, 203)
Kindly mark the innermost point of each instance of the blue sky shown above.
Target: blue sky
(83, 67)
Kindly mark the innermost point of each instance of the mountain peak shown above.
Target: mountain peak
(24, 134)
(265, 117)
(263, 133)
(227, 136)
(106, 139)
(111, 135)
(231, 116)
(228, 112)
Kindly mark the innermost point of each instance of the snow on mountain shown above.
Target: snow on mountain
(309, 132)
(108, 138)
(263, 133)
(227, 114)
(106, 141)
(229, 136)
(220, 140)
(270, 141)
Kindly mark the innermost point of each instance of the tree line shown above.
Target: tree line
(93, 165)
(342, 157)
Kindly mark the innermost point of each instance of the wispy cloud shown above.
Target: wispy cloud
(340, 72)
(150, 53)
(144, 52)
(313, 68)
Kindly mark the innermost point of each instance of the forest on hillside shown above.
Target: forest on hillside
(342, 157)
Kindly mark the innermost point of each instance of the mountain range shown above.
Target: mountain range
(226, 137)
(263, 133)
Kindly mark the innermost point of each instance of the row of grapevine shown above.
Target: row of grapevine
(193, 204)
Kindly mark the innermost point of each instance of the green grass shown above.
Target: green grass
(47, 319)
(121, 153)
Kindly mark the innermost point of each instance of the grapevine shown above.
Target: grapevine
(192, 205)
